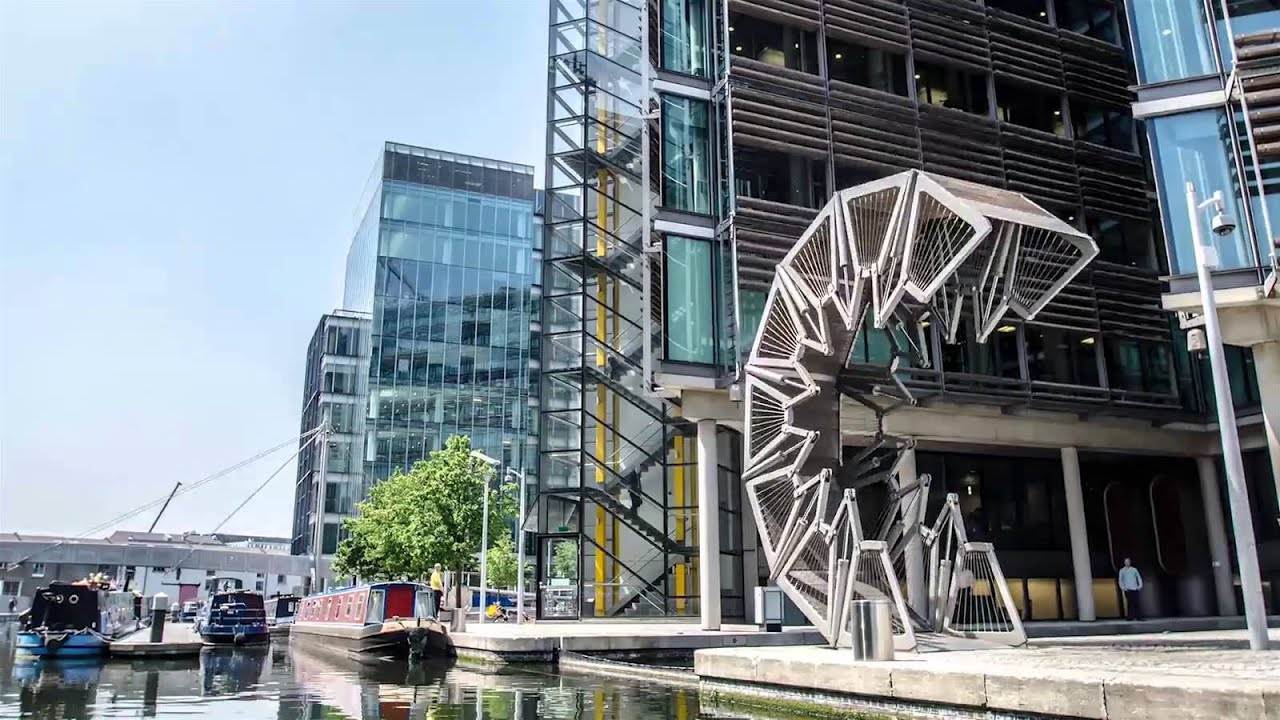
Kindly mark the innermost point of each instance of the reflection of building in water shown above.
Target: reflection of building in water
(389, 690)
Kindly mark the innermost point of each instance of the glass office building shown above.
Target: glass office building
(691, 142)
(444, 262)
(1206, 75)
(333, 392)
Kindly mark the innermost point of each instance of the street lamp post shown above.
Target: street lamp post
(519, 548)
(1241, 519)
(484, 532)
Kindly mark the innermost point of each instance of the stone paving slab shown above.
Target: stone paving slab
(1099, 681)
(543, 640)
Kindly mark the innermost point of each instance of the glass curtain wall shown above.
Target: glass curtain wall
(684, 36)
(690, 302)
(1197, 147)
(617, 467)
(1171, 41)
(686, 155)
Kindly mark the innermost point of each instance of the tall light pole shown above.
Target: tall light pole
(519, 548)
(484, 532)
(1241, 519)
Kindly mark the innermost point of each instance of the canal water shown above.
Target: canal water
(292, 681)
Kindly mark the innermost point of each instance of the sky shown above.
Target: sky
(178, 188)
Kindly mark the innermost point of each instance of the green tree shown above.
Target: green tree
(502, 561)
(564, 560)
(431, 514)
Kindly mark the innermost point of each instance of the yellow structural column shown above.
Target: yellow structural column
(682, 568)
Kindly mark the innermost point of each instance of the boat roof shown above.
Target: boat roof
(367, 586)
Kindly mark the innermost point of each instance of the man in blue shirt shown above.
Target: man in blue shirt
(1130, 582)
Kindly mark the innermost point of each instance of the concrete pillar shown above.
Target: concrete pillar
(1217, 530)
(1266, 363)
(708, 525)
(1082, 568)
(913, 555)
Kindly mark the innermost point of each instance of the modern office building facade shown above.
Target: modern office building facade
(444, 262)
(1208, 74)
(690, 142)
(333, 394)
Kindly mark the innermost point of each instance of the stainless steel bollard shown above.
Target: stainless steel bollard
(871, 628)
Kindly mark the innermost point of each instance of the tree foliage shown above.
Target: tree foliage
(501, 561)
(431, 514)
(564, 560)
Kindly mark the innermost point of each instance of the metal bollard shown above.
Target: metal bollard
(159, 603)
(871, 628)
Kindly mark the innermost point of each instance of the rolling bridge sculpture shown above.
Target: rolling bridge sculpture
(885, 256)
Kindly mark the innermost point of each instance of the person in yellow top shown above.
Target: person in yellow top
(437, 590)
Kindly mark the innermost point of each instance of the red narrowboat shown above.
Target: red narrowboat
(366, 618)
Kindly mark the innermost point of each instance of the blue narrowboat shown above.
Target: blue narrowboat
(236, 617)
(69, 620)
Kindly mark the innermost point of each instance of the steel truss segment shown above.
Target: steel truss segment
(947, 247)
(815, 333)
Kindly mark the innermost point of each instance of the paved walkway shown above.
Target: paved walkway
(543, 640)
(180, 639)
(1078, 677)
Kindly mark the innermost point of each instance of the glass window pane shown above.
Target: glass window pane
(686, 162)
(689, 306)
(1171, 40)
(1195, 147)
(684, 36)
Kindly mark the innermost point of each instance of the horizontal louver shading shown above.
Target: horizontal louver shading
(765, 231)
(796, 13)
(1024, 50)
(952, 33)
(871, 128)
(878, 23)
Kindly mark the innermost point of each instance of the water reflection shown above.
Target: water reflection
(285, 682)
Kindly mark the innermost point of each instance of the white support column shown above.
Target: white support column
(1083, 569)
(1223, 583)
(913, 555)
(708, 525)
(1266, 364)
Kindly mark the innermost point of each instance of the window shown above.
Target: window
(1196, 147)
(259, 586)
(280, 580)
(11, 588)
(951, 88)
(779, 177)
(689, 303)
(774, 44)
(329, 544)
(686, 162)
(1171, 41)
(208, 573)
(1028, 107)
(1139, 365)
(1102, 125)
(684, 36)
(868, 67)
(1125, 242)
(1095, 18)
(1062, 356)
(37, 569)
(998, 356)
(750, 311)
(1031, 9)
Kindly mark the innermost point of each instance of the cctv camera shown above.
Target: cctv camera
(1222, 224)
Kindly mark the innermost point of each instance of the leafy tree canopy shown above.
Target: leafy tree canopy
(431, 514)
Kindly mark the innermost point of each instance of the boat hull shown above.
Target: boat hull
(238, 636)
(60, 645)
(389, 638)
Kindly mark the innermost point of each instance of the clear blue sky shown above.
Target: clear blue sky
(177, 188)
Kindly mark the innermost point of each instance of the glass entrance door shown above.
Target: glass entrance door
(558, 577)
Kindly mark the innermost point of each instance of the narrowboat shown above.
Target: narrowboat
(234, 617)
(281, 611)
(74, 620)
(379, 617)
